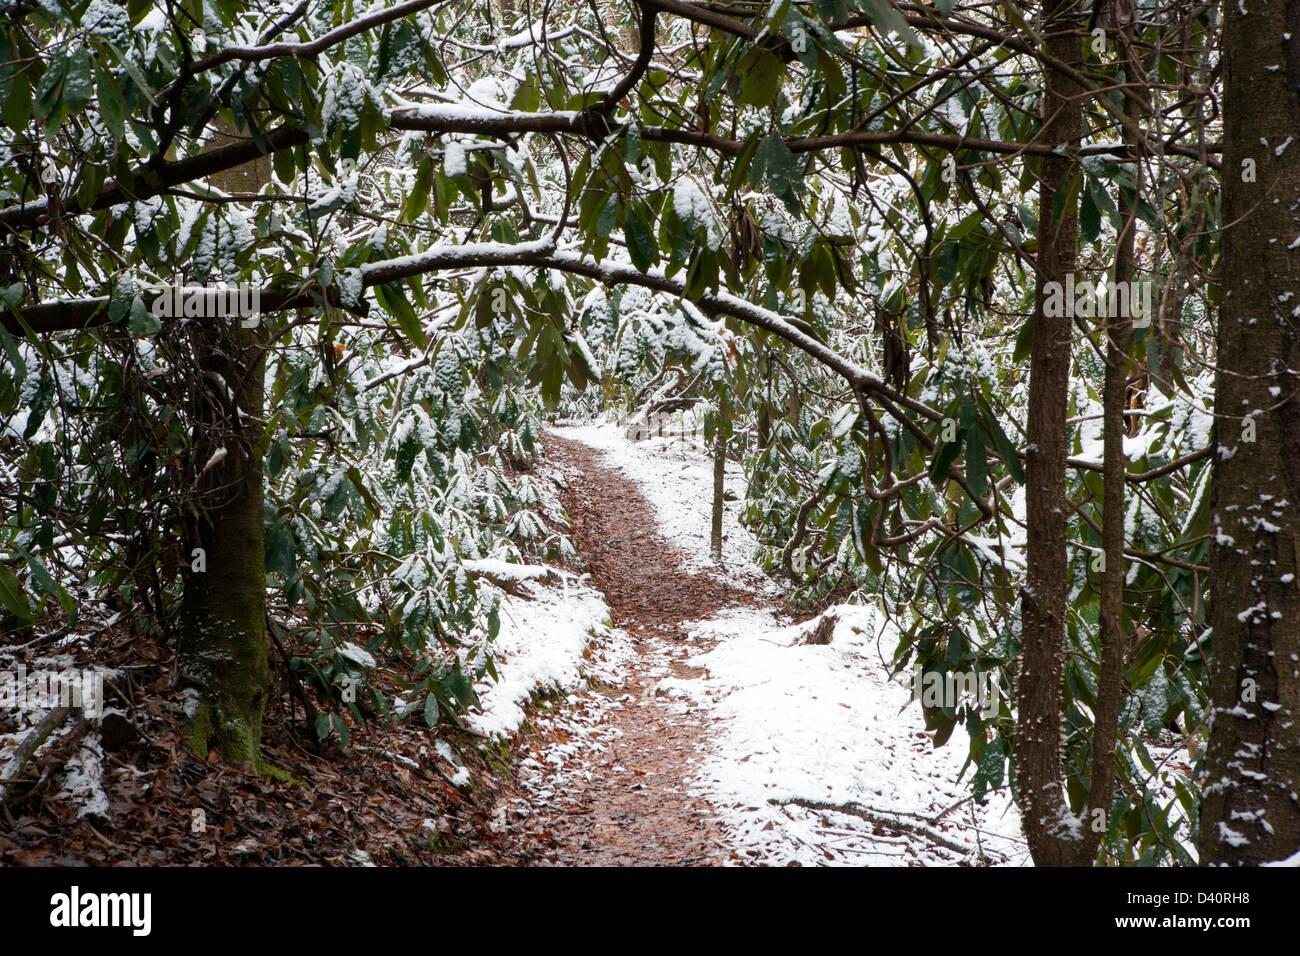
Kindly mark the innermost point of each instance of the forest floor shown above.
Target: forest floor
(655, 706)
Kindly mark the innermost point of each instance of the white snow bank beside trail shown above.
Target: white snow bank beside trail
(677, 479)
(554, 633)
(539, 648)
(824, 723)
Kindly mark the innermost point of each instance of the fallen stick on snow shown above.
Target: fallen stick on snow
(27, 749)
(881, 818)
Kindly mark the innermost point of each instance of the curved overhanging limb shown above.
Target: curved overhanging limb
(288, 293)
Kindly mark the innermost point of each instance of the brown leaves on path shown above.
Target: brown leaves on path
(622, 794)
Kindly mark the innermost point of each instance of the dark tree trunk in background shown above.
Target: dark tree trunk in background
(1043, 601)
(719, 487)
(1110, 617)
(1250, 811)
(765, 408)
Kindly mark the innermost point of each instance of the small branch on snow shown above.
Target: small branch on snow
(881, 818)
(11, 774)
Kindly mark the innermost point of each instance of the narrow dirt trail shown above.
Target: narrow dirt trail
(624, 798)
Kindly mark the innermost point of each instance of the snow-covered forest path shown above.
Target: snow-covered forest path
(699, 724)
(631, 803)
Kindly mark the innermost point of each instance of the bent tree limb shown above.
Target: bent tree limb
(76, 314)
(152, 179)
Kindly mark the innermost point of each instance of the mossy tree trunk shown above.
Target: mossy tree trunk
(223, 612)
(222, 641)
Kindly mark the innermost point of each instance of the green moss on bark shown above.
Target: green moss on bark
(222, 643)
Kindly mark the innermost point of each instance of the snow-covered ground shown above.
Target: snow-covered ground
(824, 724)
(819, 724)
(30, 688)
(540, 648)
(676, 476)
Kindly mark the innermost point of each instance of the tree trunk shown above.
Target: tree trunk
(763, 429)
(222, 641)
(223, 612)
(1047, 821)
(1110, 670)
(1250, 811)
(719, 474)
